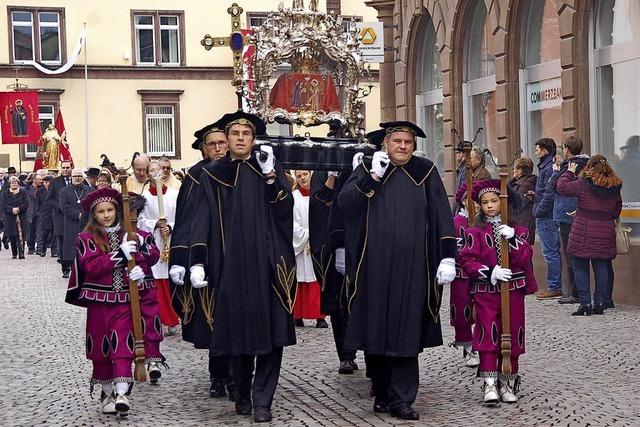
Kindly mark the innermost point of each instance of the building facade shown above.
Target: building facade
(521, 69)
(150, 83)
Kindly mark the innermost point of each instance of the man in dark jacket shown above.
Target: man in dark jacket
(564, 208)
(70, 199)
(58, 184)
(546, 226)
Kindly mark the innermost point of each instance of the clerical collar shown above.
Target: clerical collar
(113, 229)
(154, 191)
(494, 219)
(239, 158)
(304, 192)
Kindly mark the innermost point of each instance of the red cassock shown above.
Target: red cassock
(299, 91)
(307, 304)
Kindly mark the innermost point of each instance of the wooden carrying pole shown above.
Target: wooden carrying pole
(505, 338)
(471, 207)
(157, 182)
(140, 374)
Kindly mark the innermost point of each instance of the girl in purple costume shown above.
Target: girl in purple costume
(461, 300)
(100, 282)
(481, 259)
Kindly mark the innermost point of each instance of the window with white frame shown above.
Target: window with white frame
(256, 19)
(157, 37)
(36, 35)
(429, 99)
(160, 130)
(479, 88)
(615, 95)
(46, 116)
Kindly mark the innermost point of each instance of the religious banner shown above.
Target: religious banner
(19, 120)
(296, 92)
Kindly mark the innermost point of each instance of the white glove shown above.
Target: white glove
(266, 165)
(332, 173)
(128, 247)
(500, 274)
(505, 231)
(136, 274)
(340, 264)
(197, 277)
(357, 159)
(177, 274)
(463, 212)
(380, 163)
(446, 271)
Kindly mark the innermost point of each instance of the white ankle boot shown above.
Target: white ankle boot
(490, 391)
(122, 405)
(154, 372)
(471, 359)
(507, 392)
(107, 403)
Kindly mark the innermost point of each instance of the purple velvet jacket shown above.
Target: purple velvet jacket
(102, 277)
(479, 257)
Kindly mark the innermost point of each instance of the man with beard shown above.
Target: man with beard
(400, 249)
(196, 316)
(242, 238)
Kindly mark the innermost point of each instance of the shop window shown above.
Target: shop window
(478, 90)
(615, 100)
(429, 98)
(540, 82)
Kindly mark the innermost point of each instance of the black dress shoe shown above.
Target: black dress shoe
(345, 367)
(42, 254)
(354, 365)
(380, 406)
(569, 299)
(243, 407)
(405, 412)
(217, 388)
(65, 274)
(598, 309)
(262, 414)
(583, 310)
(608, 304)
(322, 324)
(299, 323)
(14, 257)
(22, 257)
(31, 252)
(231, 391)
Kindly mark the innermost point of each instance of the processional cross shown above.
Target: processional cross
(236, 41)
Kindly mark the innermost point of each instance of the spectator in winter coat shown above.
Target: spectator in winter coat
(524, 184)
(592, 239)
(478, 163)
(546, 226)
(564, 208)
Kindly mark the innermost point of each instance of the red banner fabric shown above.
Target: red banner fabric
(19, 120)
(65, 152)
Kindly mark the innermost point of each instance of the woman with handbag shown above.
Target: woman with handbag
(592, 240)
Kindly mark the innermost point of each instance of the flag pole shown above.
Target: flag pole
(86, 102)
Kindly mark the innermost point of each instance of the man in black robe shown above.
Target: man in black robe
(400, 248)
(242, 237)
(71, 198)
(58, 183)
(195, 306)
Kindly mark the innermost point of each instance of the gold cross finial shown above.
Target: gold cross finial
(236, 41)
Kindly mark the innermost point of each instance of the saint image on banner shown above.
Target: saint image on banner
(19, 119)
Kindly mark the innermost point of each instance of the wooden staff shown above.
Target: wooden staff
(471, 207)
(140, 374)
(505, 338)
(20, 236)
(157, 182)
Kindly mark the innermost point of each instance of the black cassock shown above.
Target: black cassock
(396, 233)
(243, 234)
(196, 326)
(74, 218)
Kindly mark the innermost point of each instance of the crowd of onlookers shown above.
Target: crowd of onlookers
(572, 203)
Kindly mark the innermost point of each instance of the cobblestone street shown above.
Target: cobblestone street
(577, 371)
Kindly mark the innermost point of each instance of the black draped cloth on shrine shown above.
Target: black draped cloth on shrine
(196, 326)
(243, 234)
(396, 232)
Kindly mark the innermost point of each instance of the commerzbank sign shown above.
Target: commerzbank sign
(371, 40)
(544, 94)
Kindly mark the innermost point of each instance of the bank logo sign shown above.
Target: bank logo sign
(544, 94)
(372, 40)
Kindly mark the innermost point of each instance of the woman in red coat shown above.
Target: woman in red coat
(592, 239)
